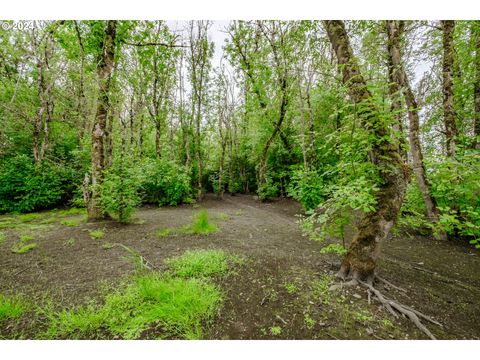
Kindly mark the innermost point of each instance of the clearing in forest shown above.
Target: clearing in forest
(250, 276)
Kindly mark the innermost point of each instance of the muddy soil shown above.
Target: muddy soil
(277, 293)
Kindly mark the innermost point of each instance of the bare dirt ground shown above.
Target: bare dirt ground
(280, 292)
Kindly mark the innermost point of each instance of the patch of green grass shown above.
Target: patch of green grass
(165, 232)
(291, 288)
(11, 307)
(70, 242)
(48, 220)
(201, 225)
(275, 330)
(97, 234)
(2, 238)
(28, 217)
(26, 238)
(239, 212)
(151, 306)
(8, 222)
(70, 212)
(71, 222)
(22, 249)
(201, 263)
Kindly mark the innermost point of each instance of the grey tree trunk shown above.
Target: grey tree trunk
(448, 28)
(476, 91)
(104, 71)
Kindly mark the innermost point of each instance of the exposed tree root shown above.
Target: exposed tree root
(391, 305)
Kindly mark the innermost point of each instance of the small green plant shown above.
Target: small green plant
(201, 225)
(275, 330)
(333, 248)
(291, 288)
(22, 249)
(386, 323)
(2, 237)
(199, 263)
(321, 289)
(309, 322)
(107, 246)
(363, 316)
(70, 241)
(11, 307)
(238, 212)
(96, 234)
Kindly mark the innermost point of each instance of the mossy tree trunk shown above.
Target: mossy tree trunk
(361, 258)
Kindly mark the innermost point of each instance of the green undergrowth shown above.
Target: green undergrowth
(40, 220)
(24, 245)
(175, 304)
(147, 306)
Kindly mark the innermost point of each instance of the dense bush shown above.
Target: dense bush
(164, 182)
(306, 187)
(120, 192)
(456, 187)
(26, 187)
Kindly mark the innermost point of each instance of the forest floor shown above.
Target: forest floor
(280, 291)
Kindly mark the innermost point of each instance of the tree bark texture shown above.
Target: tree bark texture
(363, 252)
(104, 71)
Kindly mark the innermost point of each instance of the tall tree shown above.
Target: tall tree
(200, 53)
(360, 260)
(394, 34)
(104, 71)
(476, 92)
(448, 28)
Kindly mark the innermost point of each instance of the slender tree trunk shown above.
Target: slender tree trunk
(104, 71)
(140, 135)
(40, 113)
(394, 30)
(399, 77)
(448, 27)
(158, 143)
(277, 127)
(476, 91)
(360, 260)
